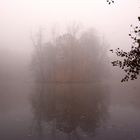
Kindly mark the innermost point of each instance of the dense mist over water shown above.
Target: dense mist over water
(56, 77)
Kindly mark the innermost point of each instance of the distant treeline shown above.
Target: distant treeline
(70, 58)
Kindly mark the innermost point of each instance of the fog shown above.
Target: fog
(56, 77)
(21, 18)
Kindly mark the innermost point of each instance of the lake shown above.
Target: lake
(69, 111)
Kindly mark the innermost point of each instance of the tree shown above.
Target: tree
(37, 61)
(70, 58)
(110, 1)
(131, 59)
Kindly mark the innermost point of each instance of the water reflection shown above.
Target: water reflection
(68, 110)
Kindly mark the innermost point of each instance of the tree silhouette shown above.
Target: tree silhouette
(70, 59)
(131, 59)
(110, 1)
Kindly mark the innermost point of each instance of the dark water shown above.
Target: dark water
(69, 111)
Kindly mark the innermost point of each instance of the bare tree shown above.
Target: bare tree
(38, 55)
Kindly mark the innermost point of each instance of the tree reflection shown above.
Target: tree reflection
(74, 109)
(67, 99)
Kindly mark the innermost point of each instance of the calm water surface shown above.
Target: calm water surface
(69, 111)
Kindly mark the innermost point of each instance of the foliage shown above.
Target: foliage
(70, 58)
(110, 1)
(131, 59)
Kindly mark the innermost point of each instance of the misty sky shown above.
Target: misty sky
(19, 17)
